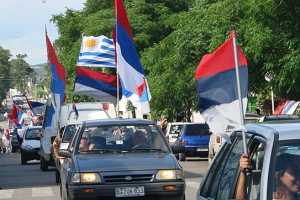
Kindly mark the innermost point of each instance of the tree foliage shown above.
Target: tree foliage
(4, 72)
(172, 36)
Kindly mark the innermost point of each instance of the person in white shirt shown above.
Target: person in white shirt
(6, 141)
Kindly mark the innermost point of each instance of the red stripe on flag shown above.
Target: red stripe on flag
(221, 60)
(52, 58)
(121, 16)
(107, 78)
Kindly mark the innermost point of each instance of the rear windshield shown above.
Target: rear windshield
(196, 129)
(33, 134)
(176, 129)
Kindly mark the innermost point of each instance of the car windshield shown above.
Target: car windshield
(33, 134)
(196, 129)
(69, 132)
(287, 171)
(127, 138)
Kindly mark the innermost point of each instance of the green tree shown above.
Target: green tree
(149, 20)
(4, 72)
(21, 72)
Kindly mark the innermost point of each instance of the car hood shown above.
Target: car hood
(125, 162)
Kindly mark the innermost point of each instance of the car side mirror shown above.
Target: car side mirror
(64, 153)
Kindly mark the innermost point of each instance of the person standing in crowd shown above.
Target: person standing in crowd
(163, 124)
(6, 141)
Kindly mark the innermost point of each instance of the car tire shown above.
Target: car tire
(43, 164)
(57, 177)
(23, 159)
(181, 157)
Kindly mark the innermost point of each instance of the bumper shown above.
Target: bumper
(152, 191)
(196, 151)
(30, 154)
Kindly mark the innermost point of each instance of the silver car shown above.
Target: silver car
(274, 172)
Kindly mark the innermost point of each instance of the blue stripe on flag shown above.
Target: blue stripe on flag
(96, 84)
(107, 48)
(108, 41)
(88, 61)
(221, 88)
(101, 55)
(128, 49)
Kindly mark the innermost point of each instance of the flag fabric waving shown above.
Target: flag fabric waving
(218, 100)
(99, 85)
(58, 74)
(130, 69)
(97, 52)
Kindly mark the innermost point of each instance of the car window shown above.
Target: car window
(223, 172)
(229, 172)
(69, 132)
(196, 129)
(176, 129)
(256, 150)
(131, 138)
(33, 134)
(286, 181)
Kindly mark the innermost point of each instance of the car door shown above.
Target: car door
(223, 176)
(223, 171)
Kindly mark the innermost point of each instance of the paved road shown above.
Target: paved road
(27, 182)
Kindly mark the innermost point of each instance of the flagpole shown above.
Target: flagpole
(236, 61)
(116, 59)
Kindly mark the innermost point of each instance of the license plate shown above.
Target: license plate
(130, 191)
(201, 149)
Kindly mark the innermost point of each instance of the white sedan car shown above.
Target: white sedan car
(31, 144)
(274, 169)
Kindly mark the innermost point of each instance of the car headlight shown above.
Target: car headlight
(86, 178)
(169, 174)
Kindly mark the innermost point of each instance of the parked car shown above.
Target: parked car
(31, 144)
(193, 141)
(273, 148)
(120, 158)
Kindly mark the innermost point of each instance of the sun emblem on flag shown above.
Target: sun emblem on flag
(90, 42)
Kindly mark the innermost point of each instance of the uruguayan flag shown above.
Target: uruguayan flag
(97, 52)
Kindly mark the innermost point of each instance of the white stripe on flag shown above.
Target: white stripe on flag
(130, 78)
(224, 118)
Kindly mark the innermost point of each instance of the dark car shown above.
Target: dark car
(120, 158)
(192, 141)
(16, 140)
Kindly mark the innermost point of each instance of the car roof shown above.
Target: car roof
(287, 130)
(118, 121)
(34, 127)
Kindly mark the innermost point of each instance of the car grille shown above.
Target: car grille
(132, 178)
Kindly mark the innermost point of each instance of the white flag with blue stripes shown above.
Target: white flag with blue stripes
(97, 52)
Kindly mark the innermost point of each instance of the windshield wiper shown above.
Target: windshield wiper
(149, 149)
(109, 150)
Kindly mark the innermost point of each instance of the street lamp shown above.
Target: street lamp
(268, 77)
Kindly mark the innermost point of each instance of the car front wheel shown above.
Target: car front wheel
(23, 159)
(43, 164)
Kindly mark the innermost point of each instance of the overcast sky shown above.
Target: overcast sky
(22, 25)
